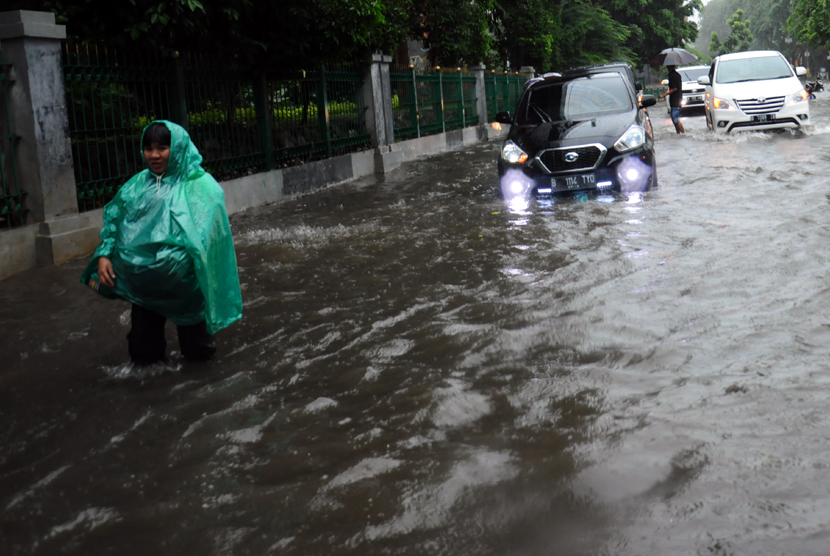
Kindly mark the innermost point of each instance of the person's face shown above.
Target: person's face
(157, 157)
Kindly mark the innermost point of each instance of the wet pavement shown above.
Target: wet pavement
(423, 369)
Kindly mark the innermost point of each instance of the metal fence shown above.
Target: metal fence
(318, 114)
(111, 95)
(503, 92)
(242, 122)
(12, 197)
(432, 101)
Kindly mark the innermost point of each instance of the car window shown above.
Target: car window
(580, 98)
(753, 69)
(692, 74)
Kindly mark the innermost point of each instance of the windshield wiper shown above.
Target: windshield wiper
(541, 113)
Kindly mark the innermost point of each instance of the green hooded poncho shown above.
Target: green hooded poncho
(170, 242)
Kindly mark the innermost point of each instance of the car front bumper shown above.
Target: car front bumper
(629, 172)
(790, 116)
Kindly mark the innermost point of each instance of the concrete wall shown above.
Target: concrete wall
(26, 247)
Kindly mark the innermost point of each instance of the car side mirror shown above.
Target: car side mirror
(664, 82)
(648, 100)
(703, 80)
(800, 70)
(504, 118)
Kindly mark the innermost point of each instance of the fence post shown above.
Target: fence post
(529, 72)
(177, 94)
(377, 97)
(37, 110)
(43, 155)
(264, 120)
(416, 115)
(323, 110)
(461, 98)
(481, 93)
(441, 96)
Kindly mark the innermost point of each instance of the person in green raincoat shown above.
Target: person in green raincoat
(166, 247)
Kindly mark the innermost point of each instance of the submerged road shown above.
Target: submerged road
(424, 370)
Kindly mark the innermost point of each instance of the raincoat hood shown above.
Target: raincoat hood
(170, 243)
(185, 160)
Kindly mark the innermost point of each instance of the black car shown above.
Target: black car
(585, 130)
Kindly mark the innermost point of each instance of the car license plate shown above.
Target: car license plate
(761, 118)
(578, 181)
(698, 97)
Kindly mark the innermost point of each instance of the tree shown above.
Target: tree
(654, 25)
(527, 31)
(454, 31)
(810, 22)
(740, 39)
(591, 36)
(300, 33)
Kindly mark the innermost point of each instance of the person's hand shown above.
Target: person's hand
(105, 272)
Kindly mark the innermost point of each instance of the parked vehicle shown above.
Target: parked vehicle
(755, 90)
(693, 92)
(581, 131)
(814, 86)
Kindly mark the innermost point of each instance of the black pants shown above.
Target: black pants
(147, 344)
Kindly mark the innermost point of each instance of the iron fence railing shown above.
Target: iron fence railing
(242, 122)
(318, 114)
(12, 197)
(245, 122)
(432, 101)
(222, 117)
(503, 91)
(111, 95)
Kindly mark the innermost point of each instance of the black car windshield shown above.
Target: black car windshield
(689, 74)
(753, 69)
(579, 99)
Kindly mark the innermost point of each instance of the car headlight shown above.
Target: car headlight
(800, 96)
(634, 137)
(510, 152)
(720, 104)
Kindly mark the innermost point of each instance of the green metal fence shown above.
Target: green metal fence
(318, 114)
(111, 95)
(432, 101)
(242, 122)
(503, 92)
(222, 117)
(12, 197)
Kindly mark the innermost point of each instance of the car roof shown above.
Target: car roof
(749, 54)
(692, 67)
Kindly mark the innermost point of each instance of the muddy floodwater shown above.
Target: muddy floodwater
(423, 369)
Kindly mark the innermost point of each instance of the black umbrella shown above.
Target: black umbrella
(673, 57)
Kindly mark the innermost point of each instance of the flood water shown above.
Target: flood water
(422, 369)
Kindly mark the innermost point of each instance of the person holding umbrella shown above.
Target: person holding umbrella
(670, 58)
(675, 94)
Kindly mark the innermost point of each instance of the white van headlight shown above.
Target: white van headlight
(720, 104)
(510, 152)
(635, 136)
(800, 96)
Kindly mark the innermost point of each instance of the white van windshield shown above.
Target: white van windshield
(753, 69)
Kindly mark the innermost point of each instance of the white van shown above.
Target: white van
(755, 90)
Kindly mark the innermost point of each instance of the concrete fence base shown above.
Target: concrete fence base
(65, 238)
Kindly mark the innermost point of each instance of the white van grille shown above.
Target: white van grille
(761, 105)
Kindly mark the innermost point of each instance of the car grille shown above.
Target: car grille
(761, 105)
(694, 91)
(554, 159)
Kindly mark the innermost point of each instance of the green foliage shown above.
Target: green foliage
(528, 33)
(810, 21)
(654, 25)
(740, 38)
(454, 32)
(592, 36)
